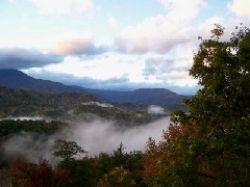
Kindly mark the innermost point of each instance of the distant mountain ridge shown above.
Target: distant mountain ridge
(15, 79)
(144, 96)
(20, 104)
(147, 96)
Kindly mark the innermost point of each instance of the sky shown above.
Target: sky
(112, 44)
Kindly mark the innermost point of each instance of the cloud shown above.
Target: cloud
(240, 7)
(162, 32)
(111, 136)
(114, 83)
(156, 66)
(101, 67)
(153, 35)
(85, 133)
(87, 82)
(182, 9)
(154, 109)
(17, 58)
(112, 22)
(174, 75)
(80, 46)
(63, 6)
(165, 68)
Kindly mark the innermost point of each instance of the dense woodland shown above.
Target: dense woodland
(208, 146)
(69, 106)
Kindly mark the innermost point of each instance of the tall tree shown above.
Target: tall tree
(209, 146)
(67, 149)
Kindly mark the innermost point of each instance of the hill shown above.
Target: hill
(18, 80)
(12, 78)
(66, 106)
(19, 102)
(145, 96)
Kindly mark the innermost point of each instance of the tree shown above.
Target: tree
(209, 145)
(25, 174)
(222, 68)
(119, 155)
(117, 177)
(67, 149)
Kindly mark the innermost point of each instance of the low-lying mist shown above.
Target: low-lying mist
(94, 136)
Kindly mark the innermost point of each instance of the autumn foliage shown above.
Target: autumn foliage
(25, 174)
(209, 145)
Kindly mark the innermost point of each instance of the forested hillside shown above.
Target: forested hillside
(23, 103)
(15, 79)
(68, 106)
(149, 96)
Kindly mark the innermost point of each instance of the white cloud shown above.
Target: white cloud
(102, 67)
(78, 46)
(154, 34)
(62, 6)
(112, 22)
(240, 7)
(182, 9)
(157, 66)
(162, 32)
(126, 67)
(178, 74)
(168, 68)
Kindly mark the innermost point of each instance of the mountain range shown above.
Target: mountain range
(16, 79)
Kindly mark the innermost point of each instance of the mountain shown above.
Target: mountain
(145, 96)
(12, 78)
(19, 102)
(18, 80)
(10, 96)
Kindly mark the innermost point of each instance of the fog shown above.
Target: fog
(154, 109)
(24, 118)
(95, 136)
(30, 146)
(104, 136)
(95, 103)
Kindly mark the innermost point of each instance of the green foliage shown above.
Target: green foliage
(27, 103)
(67, 149)
(105, 169)
(67, 106)
(126, 116)
(116, 177)
(10, 127)
(209, 145)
